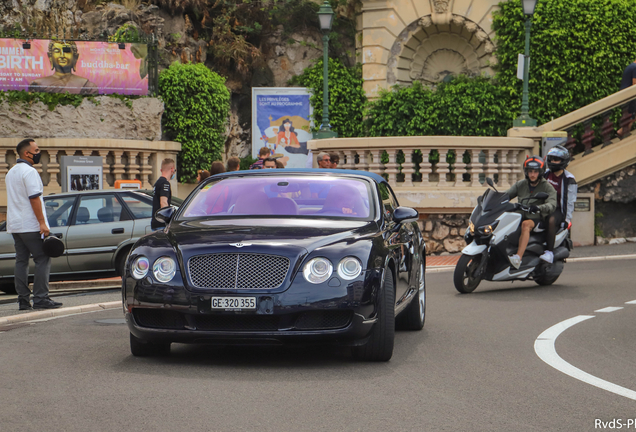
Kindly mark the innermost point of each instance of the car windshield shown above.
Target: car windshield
(282, 196)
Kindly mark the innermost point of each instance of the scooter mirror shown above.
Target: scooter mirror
(490, 182)
(541, 196)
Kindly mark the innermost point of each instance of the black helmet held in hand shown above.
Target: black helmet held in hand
(53, 246)
(533, 163)
(558, 158)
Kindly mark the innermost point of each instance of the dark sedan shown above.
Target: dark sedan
(279, 256)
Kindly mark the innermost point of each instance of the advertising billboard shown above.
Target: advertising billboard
(282, 121)
(76, 67)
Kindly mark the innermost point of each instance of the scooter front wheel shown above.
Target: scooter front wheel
(465, 277)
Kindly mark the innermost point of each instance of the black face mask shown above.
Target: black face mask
(36, 158)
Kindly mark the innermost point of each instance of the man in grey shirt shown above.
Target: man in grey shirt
(26, 222)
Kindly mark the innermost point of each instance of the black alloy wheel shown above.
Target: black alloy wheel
(465, 277)
(414, 315)
(141, 348)
(379, 347)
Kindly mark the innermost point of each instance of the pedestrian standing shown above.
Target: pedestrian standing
(324, 160)
(263, 153)
(26, 222)
(162, 195)
(217, 167)
(233, 164)
(628, 80)
(335, 160)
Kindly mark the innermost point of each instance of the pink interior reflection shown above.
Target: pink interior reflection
(282, 196)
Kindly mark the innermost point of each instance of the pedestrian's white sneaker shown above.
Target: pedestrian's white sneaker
(515, 261)
(547, 256)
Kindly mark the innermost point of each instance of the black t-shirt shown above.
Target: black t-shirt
(628, 75)
(161, 189)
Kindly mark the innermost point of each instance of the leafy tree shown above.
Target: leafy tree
(197, 105)
(579, 49)
(346, 96)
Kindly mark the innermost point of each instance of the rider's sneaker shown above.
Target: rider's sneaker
(515, 261)
(547, 256)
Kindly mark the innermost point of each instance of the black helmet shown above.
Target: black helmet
(558, 158)
(53, 246)
(533, 163)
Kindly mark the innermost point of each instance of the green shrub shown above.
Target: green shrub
(197, 105)
(346, 96)
(579, 49)
(461, 107)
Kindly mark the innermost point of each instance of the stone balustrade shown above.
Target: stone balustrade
(442, 174)
(122, 159)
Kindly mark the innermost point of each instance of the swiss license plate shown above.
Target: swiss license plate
(234, 303)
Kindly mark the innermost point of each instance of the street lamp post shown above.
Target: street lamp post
(524, 119)
(325, 15)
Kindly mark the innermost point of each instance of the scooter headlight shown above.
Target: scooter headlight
(471, 227)
(487, 230)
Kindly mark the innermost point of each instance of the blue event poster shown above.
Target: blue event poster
(281, 120)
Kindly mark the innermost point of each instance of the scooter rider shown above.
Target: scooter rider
(534, 183)
(564, 183)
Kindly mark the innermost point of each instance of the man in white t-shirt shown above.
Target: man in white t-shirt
(26, 222)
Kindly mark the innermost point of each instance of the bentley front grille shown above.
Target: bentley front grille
(238, 271)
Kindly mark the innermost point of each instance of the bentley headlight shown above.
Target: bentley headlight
(318, 270)
(140, 267)
(349, 268)
(164, 269)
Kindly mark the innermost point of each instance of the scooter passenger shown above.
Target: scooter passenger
(534, 183)
(564, 183)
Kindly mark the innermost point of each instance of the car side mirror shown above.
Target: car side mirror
(405, 214)
(542, 196)
(164, 215)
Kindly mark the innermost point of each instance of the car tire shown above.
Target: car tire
(414, 315)
(8, 287)
(379, 347)
(141, 348)
(120, 264)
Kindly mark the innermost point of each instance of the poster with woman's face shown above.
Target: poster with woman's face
(281, 119)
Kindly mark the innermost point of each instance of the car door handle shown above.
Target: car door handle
(117, 231)
(59, 235)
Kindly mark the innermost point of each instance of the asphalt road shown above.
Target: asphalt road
(473, 368)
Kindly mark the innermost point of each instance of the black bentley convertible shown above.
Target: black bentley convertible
(279, 256)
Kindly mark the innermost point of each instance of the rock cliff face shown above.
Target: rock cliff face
(107, 118)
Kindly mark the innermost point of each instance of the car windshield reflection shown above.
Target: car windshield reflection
(282, 196)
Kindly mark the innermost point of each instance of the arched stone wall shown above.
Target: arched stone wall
(402, 41)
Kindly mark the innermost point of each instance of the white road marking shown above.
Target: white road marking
(544, 347)
(609, 309)
(631, 302)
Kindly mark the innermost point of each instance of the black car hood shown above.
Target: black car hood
(264, 235)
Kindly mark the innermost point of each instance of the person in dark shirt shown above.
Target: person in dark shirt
(628, 80)
(162, 191)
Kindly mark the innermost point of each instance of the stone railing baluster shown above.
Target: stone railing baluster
(376, 165)
(442, 168)
(490, 165)
(145, 169)
(350, 156)
(460, 167)
(4, 168)
(426, 168)
(118, 168)
(475, 169)
(517, 168)
(408, 169)
(504, 168)
(53, 169)
(392, 166)
(364, 160)
(106, 169)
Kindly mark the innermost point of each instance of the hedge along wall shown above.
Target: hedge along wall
(578, 51)
(197, 106)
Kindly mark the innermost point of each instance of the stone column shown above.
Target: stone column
(53, 168)
(475, 168)
(364, 160)
(119, 169)
(145, 168)
(105, 168)
(351, 159)
(490, 165)
(504, 168)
